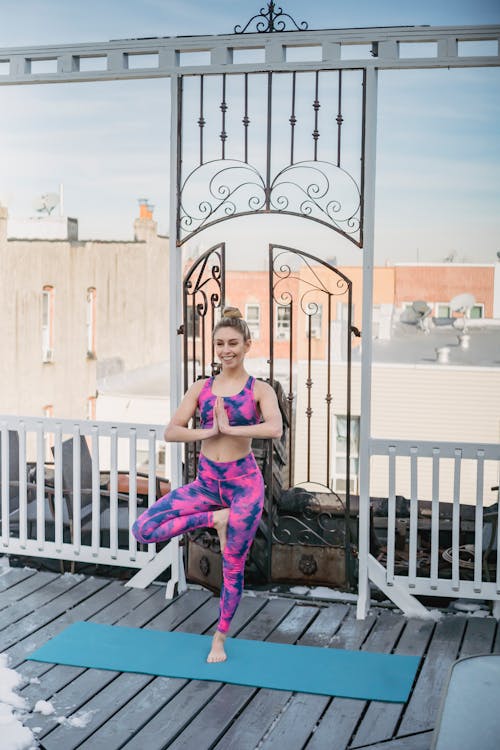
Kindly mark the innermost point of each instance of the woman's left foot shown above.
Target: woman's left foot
(217, 652)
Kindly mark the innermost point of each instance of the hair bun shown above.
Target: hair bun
(231, 312)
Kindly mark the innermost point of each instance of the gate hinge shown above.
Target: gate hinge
(180, 330)
(356, 331)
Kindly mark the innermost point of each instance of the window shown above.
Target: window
(283, 318)
(445, 311)
(340, 475)
(313, 320)
(48, 324)
(91, 322)
(252, 315)
(48, 436)
(91, 407)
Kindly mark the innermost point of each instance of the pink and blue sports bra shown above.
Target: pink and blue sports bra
(241, 408)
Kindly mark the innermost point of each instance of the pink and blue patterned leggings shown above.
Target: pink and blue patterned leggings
(237, 485)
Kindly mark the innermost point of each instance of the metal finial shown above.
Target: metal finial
(271, 20)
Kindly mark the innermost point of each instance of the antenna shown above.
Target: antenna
(46, 203)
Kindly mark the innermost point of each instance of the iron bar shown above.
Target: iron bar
(269, 132)
(246, 119)
(309, 383)
(316, 106)
(223, 109)
(293, 119)
(290, 399)
(348, 438)
(339, 120)
(328, 397)
(201, 119)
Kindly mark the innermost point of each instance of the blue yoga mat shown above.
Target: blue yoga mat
(304, 669)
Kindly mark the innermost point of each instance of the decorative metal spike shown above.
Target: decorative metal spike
(271, 20)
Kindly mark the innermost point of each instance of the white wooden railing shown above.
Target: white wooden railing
(45, 515)
(456, 473)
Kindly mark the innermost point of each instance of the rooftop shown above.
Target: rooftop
(103, 710)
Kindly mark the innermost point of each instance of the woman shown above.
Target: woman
(228, 493)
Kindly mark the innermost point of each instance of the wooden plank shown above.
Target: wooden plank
(249, 728)
(12, 576)
(100, 706)
(105, 606)
(342, 716)
(323, 628)
(479, 636)
(337, 724)
(135, 714)
(150, 609)
(420, 712)
(211, 723)
(177, 714)
(28, 643)
(103, 688)
(50, 611)
(32, 602)
(121, 727)
(171, 617)
(296, 724)
(381, 719)
(300, 714)
(420, 741)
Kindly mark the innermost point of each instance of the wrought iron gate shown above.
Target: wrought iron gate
(302, 291)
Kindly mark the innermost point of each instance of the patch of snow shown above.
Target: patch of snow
(299, 590)
(4, 563)
(44, 707)
(480, 613)
(9, 681)
(80, 719)
(34, 681)
(14, 735)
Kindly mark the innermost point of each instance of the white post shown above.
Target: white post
(171, 554)
(175, 318)
(366, 350)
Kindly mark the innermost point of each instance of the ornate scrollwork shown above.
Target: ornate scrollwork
(234, 187)
(313, 189)
(318, 190)
(271, 20)
(283, 273)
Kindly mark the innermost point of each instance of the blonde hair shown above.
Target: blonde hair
(232, 318)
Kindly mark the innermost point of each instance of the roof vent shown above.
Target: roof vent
(443, 355)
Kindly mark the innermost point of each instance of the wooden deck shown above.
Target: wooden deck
(133, 711)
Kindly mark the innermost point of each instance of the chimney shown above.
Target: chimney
(145, 228)
(4, 216)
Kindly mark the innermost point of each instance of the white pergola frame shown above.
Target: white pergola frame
(388, 48)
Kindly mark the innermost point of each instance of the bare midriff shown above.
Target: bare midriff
(222, 448)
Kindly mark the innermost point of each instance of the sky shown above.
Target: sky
(438, 149)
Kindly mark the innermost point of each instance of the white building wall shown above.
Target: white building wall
(132, 313)
(413, 402)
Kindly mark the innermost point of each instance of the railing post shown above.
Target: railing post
(370, 135)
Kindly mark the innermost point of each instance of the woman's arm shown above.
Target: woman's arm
(177, 430)
(270, 427)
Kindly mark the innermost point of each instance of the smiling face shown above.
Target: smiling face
(230, 347)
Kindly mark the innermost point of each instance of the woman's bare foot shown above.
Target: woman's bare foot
(217, 652)
(220, 521)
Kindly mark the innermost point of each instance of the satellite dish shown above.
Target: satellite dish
(415, 313)
(46, 203)
(462, 302)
